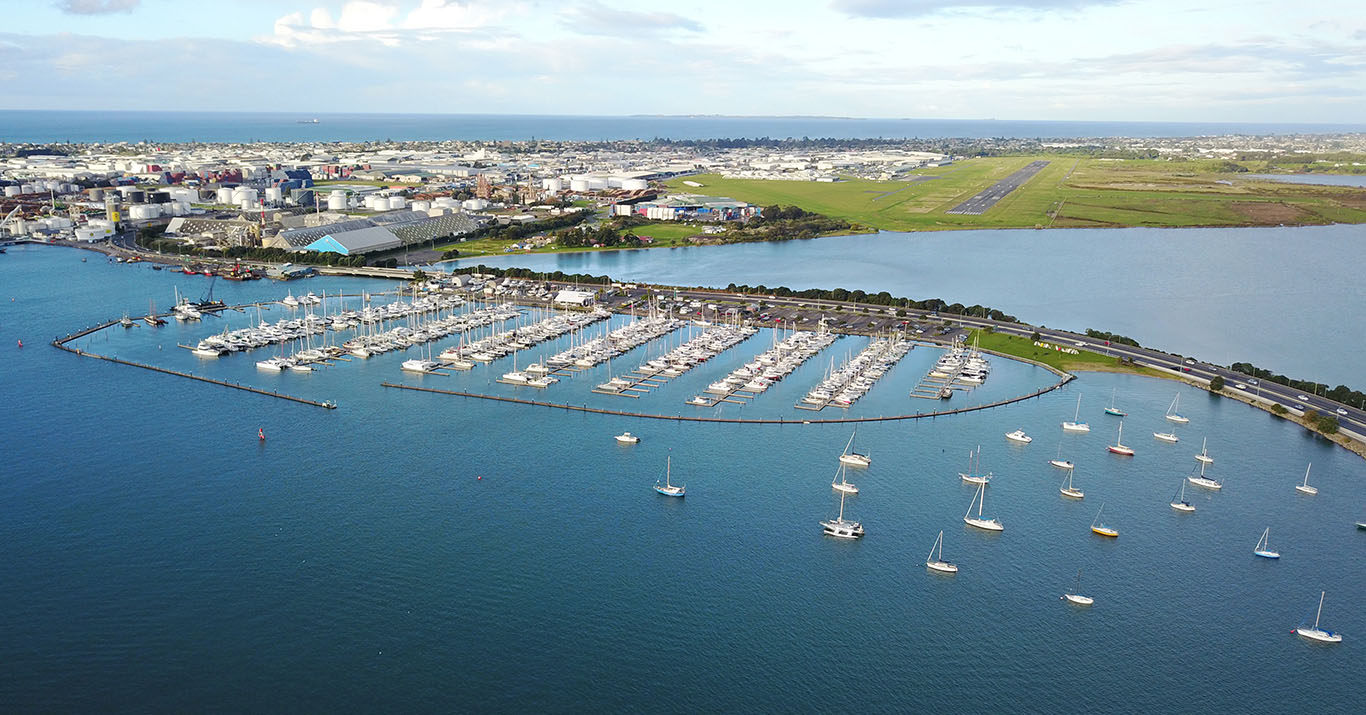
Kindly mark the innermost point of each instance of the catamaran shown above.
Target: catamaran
(936, 562)
(1098, 527)
(975, 477)
(1204, 454)
(1179, 503)
(1203, 481)
(1119, 447)
(854, 458)
(1112, 410)
(1059, 462)
(1019, 436)
(1263, 548)
(667, 488)
(1077, 597)
(1075, 425)
(1316, 633)
(1173, 415)
(1070, 491)
(1304, 487)
(841, 481)
(840, 528)
(980, 498)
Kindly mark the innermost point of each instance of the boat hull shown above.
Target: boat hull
(1120, 450)
(984, 524)
(1306, 489)
(1104, 531)
(1267, 554)
(1078, 599)
(1319, 635)
(941, 566)
(1061, 463)
(1183, 506)
(1072, 493)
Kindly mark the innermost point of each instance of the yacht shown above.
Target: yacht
(1075, 425)
(1316, 633)
(1263, 547)
(420, 365)
(1166, 437)
(971, 476)
(841, 482)
(275, 364)
(1179, 503)
(1204, 455)
(985, 524)
(1077, 597)
(627, 438)
(207, 350)
(1304, 487)
(1019, 436)
(1173, 415)
(669, 489)
(854, 459)
(1119, 447)
(841, 529)
(1201, 480)
(1099, 527)
(936, 562)
(1068, 490)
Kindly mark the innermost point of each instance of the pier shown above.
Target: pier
(738, 420)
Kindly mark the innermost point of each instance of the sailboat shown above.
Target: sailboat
(1179, 503)
(1167, 437)
(1263, 548)
(667, 488)
(975, 477)
(1074, 425)
(1316, 633)
(1077, 597)
(1204, 455)
(1112, 410)
(1119, 447)
(1070, 491)
(1204, 481)
(841, 481)
(151, 317)
(936, 562)
(840, 528)
(854, 459)
(1098, 527)
(980, 498)
(1059, 462)
(1304, 487)
(1173, 415)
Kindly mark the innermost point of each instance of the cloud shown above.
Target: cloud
(384, 22)
(96, 7)
(594, 18)
(917, 8)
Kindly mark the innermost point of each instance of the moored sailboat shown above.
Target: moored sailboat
(1204, 454)
(1068, 490)
(839, 528)
(1316, 633)
(980, 499)
(668, 489)
(854, 458)
(1076, 425)
(1203, 481)
(1304, 487)
(1263, 548)
(1119, 447)
(1077, 597)
(1179, 503)
(1112, 410)
(936, 562)
(1173, 415)
(1099, 527)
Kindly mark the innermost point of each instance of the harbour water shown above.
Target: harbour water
(1280, 298)
(417, 551)
(134, 126)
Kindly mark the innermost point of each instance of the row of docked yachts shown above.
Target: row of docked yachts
(628, 337)
(843, 387)
(377, 314)
(464, 355)
(771, 365)
(963, 364)
(712, 342)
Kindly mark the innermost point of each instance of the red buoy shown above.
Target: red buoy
(21, 343)
(261, 432)
(480, 478)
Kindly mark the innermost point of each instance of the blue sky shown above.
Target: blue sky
(1160, 60)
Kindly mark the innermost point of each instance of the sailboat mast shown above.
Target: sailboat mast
(1320, 613)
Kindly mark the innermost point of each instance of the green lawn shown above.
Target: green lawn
(1024, 347)
(1069, 192)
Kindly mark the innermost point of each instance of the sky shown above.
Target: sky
(1122, 60)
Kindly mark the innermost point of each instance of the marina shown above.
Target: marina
(853, 379)
(766, 368)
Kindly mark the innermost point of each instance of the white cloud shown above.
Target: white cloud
(383, 22)
(96, 7)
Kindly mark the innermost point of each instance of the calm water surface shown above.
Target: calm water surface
(1285, 299)
(160, 557)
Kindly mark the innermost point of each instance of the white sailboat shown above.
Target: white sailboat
(841, 482)
(1263, 548)
(1075, 425)
(841, 529)
(936, 562)
(1059, 462)
(1179, 503)
(1304, 487)
(669, 489)
(980, 498)
(1119, 447)
(1316, 633)
(975, 477)
(1068, 490)
(1077, 596)
(1202, 481)
(1173, 415)
(1204, 454)
(852, 458)
(1167, 437)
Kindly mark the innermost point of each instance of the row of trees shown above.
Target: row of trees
(1341, 393)
(1112, 337)
(882, 298)
(527, 273)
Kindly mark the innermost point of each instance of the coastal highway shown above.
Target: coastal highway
(1289, 397)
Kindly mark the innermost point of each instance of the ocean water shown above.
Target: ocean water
(418, 551)
(1281, 298)
(76, 126)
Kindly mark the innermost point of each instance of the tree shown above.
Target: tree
(419, 276)
(1279, 409)
(1034, 336)
(1217, 383)
(1328, 424)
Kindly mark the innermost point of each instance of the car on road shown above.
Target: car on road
(1342, 412)
(1240, 386)
(1190, 361)
(1254, 383)
(1080, 344)
(1298, 406)
(1302, 397)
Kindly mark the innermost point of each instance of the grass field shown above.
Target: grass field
(1069, 192)
(1025, 348)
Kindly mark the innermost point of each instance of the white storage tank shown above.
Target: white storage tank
(397, 202)
(422, 205)
(27, 189)
(12, 190)
(372, 202)
(597, 183)
(578, 185)
(224, 196)
(273, 193)
(244, 195)
(552, 185)
(446, 202)
(336, 201)
(635, 184)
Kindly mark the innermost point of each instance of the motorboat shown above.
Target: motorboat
(627, 438)
(1019, 436)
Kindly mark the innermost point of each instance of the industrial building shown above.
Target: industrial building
(688, 207)
(380, 232)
